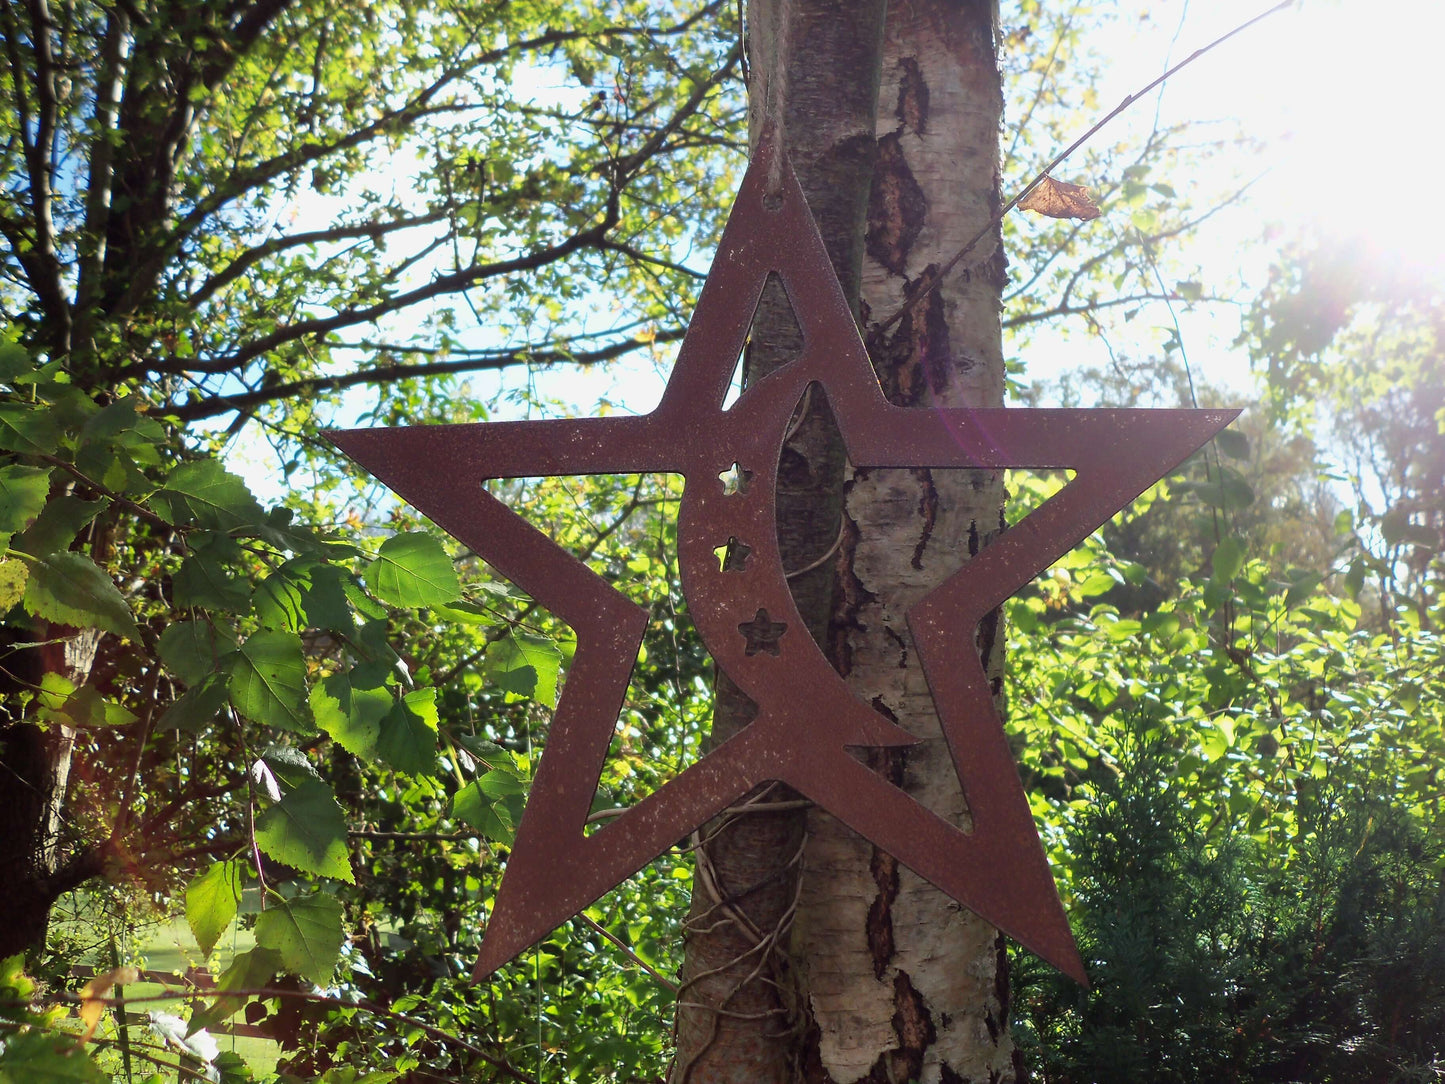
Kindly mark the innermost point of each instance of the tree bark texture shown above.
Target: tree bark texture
(811, 955)
(34, 776)
(741, 1015)
(902, 982)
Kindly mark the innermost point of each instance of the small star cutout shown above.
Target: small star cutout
(806, 722)
(733, 557)
(762, 634)
(735, 480)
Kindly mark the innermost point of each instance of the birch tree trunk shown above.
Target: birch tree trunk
(879, 978)
(903, 983)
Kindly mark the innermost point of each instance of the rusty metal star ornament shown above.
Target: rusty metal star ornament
(742, 607)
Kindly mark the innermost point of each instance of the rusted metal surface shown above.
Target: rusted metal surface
(742, 606)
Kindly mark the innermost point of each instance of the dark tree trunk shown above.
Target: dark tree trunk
(34, 775)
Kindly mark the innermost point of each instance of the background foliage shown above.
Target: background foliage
(285, 724)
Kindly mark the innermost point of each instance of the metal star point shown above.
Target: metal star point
(742, 606)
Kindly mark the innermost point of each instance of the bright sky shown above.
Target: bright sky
(1335, 91)
(1342, 94)
(1349, 88)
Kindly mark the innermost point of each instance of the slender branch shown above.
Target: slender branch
(385, 373)
(631, 955)
(642, 257)
(248, 259)
(1065, 309)
(628, 165)
(930, 283)
(140, 511)
(441, 285)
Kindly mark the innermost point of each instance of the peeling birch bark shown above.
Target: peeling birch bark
(885, 979)
(903, 983)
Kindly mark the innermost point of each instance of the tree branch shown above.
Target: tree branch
(248, 259)
(41, 265)
(381, 374)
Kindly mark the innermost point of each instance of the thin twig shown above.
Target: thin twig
(631, 955)
(932, 282)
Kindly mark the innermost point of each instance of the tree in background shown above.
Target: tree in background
(309, 728)
(211, 211)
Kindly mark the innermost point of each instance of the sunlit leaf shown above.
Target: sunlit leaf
(307, 933)
(1060, 199)
(268, 681)
(408, 738)
(212, 899)
(205, 493)
(413, 570)
(250, 970)
(307, 830)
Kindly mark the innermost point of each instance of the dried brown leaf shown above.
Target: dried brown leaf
(92, 993)
(1059, 199)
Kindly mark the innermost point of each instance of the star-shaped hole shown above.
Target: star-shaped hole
(733, 555)
(735, 480)
(762, 634)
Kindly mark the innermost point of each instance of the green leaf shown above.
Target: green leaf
(1230, 494)
(1228, 559)
(1233, 443)
(305, 593)
(279, 530)
(14, 361)
(526, 665)
(1355, 578)
(500, 783)
(486, 814)
(1302, 587)
(250, 970)
(46, 1057)
(193, 649)
(23, 491)
(29, 430)
(212, 899)
(413, 570)
(71, 589)
(408, 739)
(268, 681)
(307, 830)
(13, 574)
(307, 932)
(1161, 624)
(1096, 583)
(201, 584)
(80, 707)
(351, 716)
(289, 764)
(58, 524)
(195, 710)
(348, 1074)
(205, 494)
